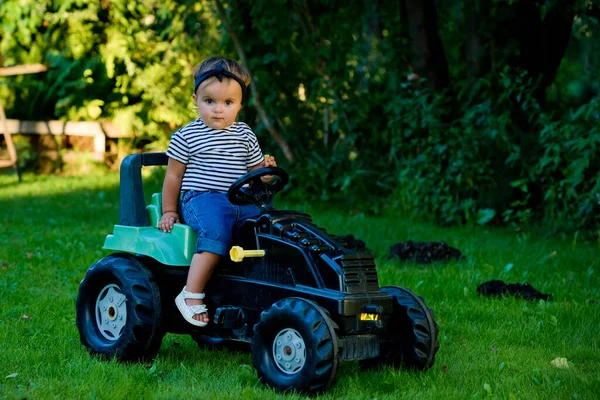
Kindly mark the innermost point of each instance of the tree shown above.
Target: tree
(428, 58)
(533, 36)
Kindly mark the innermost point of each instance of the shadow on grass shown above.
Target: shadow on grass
(61, 200)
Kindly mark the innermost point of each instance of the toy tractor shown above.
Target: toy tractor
(299, 297)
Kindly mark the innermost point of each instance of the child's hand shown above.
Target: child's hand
(269, 162)
(167, 221)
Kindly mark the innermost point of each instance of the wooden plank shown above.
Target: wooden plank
(99, 144)
(12, 152)
(58, 128)
(22, 69)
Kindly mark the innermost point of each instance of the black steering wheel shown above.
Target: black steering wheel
(257, 192)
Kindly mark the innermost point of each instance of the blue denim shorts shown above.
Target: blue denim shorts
(214, 219)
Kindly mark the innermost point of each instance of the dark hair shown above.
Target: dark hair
(227, 64)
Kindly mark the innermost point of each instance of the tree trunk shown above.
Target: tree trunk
(557, 27)
(536, 42)
(428, 58)
(477, 46)
(280, 140)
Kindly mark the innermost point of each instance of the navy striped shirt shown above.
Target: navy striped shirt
(214, 158)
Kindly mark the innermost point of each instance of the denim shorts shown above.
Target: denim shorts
(214, 219)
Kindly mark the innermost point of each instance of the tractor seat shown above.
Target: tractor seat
(154, 210)
(175, 248)
(182, 235)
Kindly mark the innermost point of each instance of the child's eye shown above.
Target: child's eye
(229, 102)
(208, 101)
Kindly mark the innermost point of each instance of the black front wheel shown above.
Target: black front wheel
(411, 338)
(295, 346)
(119, 309)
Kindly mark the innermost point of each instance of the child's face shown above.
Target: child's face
(218, 102)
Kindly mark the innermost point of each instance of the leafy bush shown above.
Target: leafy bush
(335, 80)
(470, 163)
(569, 168)
(130, 63)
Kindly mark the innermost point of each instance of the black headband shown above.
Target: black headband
(219, 72)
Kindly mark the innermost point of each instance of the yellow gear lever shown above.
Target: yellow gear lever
(237, 253)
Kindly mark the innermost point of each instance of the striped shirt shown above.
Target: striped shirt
(214, 158)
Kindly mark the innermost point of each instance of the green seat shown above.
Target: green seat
(174, 248)
(155, 209)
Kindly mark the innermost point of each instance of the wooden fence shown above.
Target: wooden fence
(8, 127)
(99, 131)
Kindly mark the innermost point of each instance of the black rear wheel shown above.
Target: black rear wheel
(119, 309)
(411, 339)
(295, 346)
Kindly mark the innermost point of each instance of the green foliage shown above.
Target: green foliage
(452, 169)
(335, 79)
(126, 62)
(477, 168)
(569, 168)
(27, 154)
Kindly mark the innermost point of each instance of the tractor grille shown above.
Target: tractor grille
(358, 269)
(270, 271)
(360, 274)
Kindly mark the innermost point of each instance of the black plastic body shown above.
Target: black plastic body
(301, 260)
(133, 208)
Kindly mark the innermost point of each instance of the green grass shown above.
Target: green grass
(52, 230)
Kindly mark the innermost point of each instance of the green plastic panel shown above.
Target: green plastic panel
(155, 209)
(175, 248)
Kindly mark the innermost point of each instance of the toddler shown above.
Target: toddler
(205, 157)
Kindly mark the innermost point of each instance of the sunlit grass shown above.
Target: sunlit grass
(52, 229)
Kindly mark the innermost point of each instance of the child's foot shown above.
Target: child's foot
(192, 307)
(202, 317)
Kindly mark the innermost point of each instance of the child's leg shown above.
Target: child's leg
(211, 217)
(202, 266)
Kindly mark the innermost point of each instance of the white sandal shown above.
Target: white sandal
(188, 312)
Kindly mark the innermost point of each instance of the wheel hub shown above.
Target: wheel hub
(289, 351)
(111, 312)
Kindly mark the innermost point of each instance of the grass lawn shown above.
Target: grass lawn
(52, 229)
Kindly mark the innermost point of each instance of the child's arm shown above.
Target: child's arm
(170, 195)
